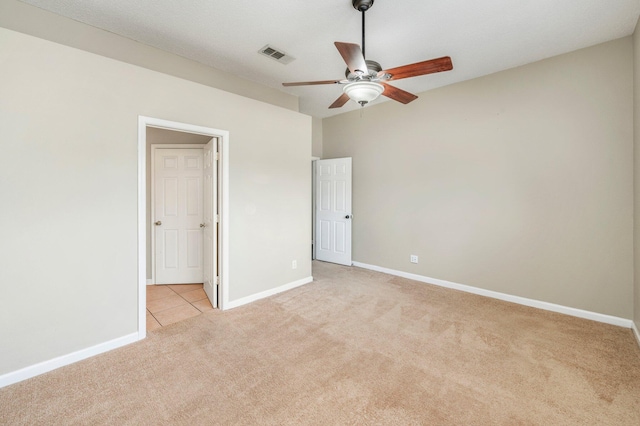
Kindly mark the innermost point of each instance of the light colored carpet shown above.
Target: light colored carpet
(353, 347)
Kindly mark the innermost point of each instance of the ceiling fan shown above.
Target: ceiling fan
(366, 80)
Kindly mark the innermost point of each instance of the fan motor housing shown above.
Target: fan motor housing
(372, 66)
(362, 5)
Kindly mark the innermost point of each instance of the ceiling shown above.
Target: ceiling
(482, 37)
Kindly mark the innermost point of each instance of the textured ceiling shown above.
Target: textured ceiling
(481, 37)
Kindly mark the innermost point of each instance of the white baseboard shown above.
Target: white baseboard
(46, 366)
(150, 281)
(594, 316)
(267, 293)
(636, 332)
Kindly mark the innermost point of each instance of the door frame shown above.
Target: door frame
(154, 147)
(223, 208)
(313, 206)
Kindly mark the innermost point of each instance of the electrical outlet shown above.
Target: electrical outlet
(294, 264)
(414, 258)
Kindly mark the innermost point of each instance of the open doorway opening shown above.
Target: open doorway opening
(175, 206)
(197, 145)
(182, 251)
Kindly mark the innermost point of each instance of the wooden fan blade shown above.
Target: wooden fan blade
(397, 94)
(312, 83)
(419, 68)
(340, 101)
(352, 55)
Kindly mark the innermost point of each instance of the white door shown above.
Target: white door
(210, 221)
(178, 215)
(333, 210)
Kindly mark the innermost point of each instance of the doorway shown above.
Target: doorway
(147, 128)
(184, 210)
(333, 216)
(176, 209)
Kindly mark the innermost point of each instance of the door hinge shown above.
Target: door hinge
(217, 280)
(216, 156)
(217, 218)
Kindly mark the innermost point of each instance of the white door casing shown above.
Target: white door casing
(313, 207)
(178, 214)
(210, 230)
(223, 209)
(333, 210)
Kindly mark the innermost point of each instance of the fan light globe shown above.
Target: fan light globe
(363, 92)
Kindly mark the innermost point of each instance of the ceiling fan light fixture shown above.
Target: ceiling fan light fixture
(363, 92)
(366, 80)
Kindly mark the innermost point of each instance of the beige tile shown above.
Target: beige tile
(203, 305)
(152, 323)
(194, 295)
(165, 303)
(158, 292)
(179, 313)
(183, 288)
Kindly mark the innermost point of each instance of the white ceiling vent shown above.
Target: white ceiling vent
(276, 54)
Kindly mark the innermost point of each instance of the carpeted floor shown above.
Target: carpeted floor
(353, 347)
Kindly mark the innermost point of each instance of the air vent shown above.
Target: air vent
(276, 54)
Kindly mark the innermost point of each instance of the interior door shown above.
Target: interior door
(210, 222)
(333, 210)
(178, 215)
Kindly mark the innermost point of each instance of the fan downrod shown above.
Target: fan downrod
(362, 5)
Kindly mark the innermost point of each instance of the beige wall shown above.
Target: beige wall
(636, 94)
(68, 129)
(28, 19)
(519, 182)
(316, 147)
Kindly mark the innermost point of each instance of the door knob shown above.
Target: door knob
(347, 217)
(158, 223)
(202, 225)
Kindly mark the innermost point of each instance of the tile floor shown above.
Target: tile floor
(167, 304)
